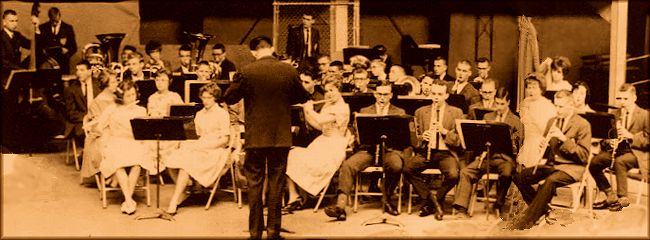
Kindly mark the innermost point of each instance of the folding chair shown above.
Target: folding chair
(428, 171)
(70, 144)
(104, 189)
(373, 169)
(235, 144)
(485, 180)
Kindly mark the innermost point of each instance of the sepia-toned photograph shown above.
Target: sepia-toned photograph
(325, 119)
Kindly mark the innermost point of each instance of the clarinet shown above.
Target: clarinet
(437, 135)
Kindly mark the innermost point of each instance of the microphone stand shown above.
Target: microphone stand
(383, 218)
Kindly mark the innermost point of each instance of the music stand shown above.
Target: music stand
(158, 129)
(396, 131)
(481, 136)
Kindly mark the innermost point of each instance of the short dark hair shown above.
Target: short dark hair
(85, 63)
(561, 62)
(129, 47)
(583, 84)
(307, 72)
(564, 94)
(151, 46)
(219, 46)
(260, 43)
(8, 12)
(379, 49)
(53, 12)
(533, 77)
(336, 63)
(626, 87)
(502, 93)
(122, 88)
(482, 59)
(440, 58)
(185, 47)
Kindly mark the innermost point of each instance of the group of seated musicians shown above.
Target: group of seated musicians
(439, 146)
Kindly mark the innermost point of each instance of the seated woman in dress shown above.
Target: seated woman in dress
(580, 94)
(159, 105)
(313, 167)
(92, 153)
(535, 111)
(205, 158)
(121, 150)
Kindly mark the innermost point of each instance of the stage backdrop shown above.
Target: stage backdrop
(87, 18)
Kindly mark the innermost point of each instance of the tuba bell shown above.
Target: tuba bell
(198, 41)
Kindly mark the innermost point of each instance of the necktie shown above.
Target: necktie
(308, 42)
(560, 124)
(437, 118)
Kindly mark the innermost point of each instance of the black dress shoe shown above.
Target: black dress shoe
(336, 212)
(426, 210)
(293, 206)
(601, 205)
(388, 208)
(615, 207)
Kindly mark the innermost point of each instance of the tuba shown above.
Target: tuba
(198, 41)
(413, 82)
(110, 45)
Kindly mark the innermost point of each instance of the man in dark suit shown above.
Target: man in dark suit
(222, 66)
(57, 39)
(268, 87)
(77, 96)
(634, 126)
(502, 163)
(437, 134)
(364, 157)
(440, 70)
(303, 42)
(461, 85)
(567, 151)
(12, 41)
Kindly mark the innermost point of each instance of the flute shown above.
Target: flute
(315, 102)
(547, 139)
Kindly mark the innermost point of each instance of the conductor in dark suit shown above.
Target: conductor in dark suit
(57, 39)
(303, 42)
(269, 88)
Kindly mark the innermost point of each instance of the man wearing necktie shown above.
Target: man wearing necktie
(363, 158)
(303, 42)
(436, 125)
(57, 38)
(633, 125)
(502, 163)
(78, 96)
(570, 139)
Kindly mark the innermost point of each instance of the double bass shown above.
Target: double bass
(37, 118)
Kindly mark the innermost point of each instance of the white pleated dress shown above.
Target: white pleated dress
(202, 159)
(534, 115)
(121, 149)
(314, 166)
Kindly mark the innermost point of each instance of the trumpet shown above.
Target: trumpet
(543, 147)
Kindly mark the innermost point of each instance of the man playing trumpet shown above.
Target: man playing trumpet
(631, 150)
(568, 152)
(437, 140)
